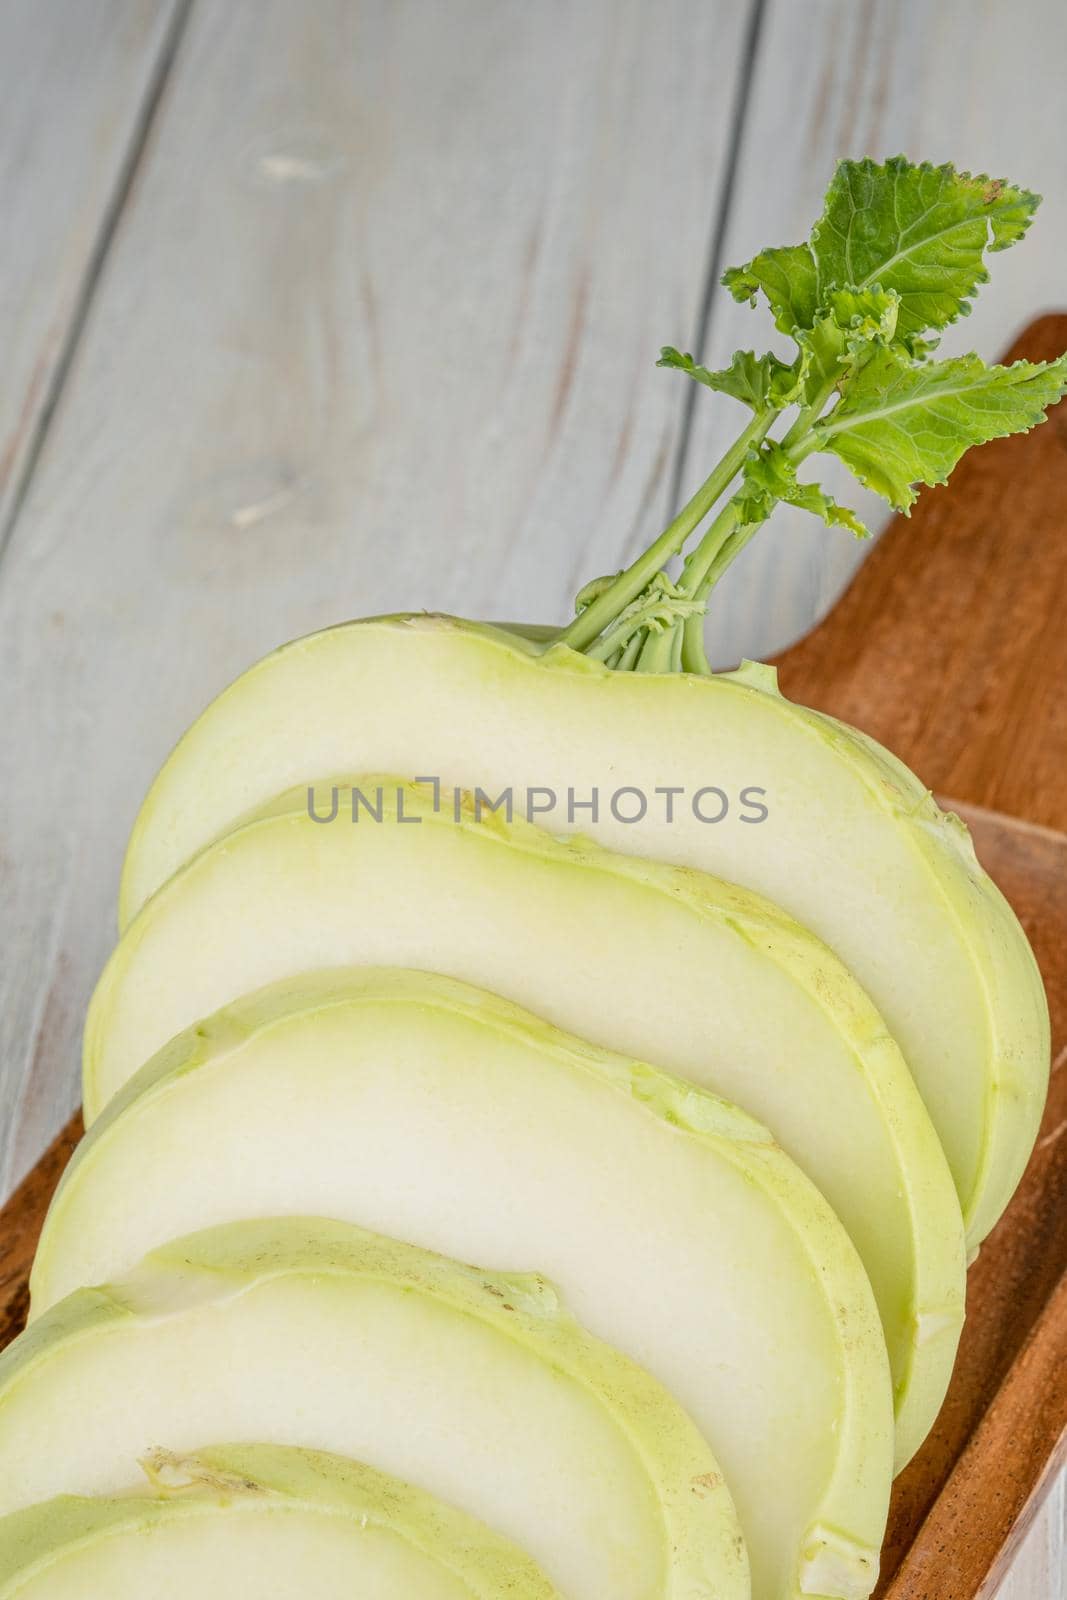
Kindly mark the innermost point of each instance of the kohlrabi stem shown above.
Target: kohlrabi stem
(629, 655)
(697, 564)
(726, 538)
(659, 636)
(694, 654)
(658, 650)
(661, 609)
(806, 419)
(691, 632)
(728, 553)
(613, 599)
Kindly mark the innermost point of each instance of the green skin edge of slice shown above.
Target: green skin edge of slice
(700, 1532)
(250, 1479)
(933, 1317)
(975, 914)
(732, 1137)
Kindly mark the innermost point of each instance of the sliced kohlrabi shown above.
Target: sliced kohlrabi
(266, 1521)
(479, 1388)
(851, 845)
(703, 979)
(674, 1226)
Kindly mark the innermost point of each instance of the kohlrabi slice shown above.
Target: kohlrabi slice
(479, 1388)
(266, 1521)
(675, 1228)
(694, 975)
(851, 845)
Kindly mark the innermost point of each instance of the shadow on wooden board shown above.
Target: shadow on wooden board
(951, 648)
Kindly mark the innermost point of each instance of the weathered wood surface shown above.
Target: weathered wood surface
(1036, 1571)
(367, 320)
(374, 332)
(76, 86)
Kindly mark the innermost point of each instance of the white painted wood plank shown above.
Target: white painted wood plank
(969, 81)
(376, 331)
(1039, 1571)
(74, 81)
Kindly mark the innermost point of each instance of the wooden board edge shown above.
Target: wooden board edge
(964, 1547)
(21, 1219)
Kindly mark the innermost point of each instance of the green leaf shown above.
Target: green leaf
(866, 313)
(758, 381)
(787, 277)
(919, 230)
(809, 497)
(680, 362)
(843, 336)
(769, 476)
(765, 476)
(899, 424)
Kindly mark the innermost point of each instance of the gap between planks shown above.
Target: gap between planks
(746, 74)
(110, 214)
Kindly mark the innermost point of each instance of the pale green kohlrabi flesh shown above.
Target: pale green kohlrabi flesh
(430, 1111)
(671, 966)
(266, 1521)
(478, 1387)
(852, 845)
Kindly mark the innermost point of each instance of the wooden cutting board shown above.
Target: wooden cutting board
(951, 648)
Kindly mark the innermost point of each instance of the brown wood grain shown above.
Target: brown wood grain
(950, 647)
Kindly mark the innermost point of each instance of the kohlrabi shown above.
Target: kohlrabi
(263, 1520)
(621, 700)
(705, 979)
(476, 1386)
